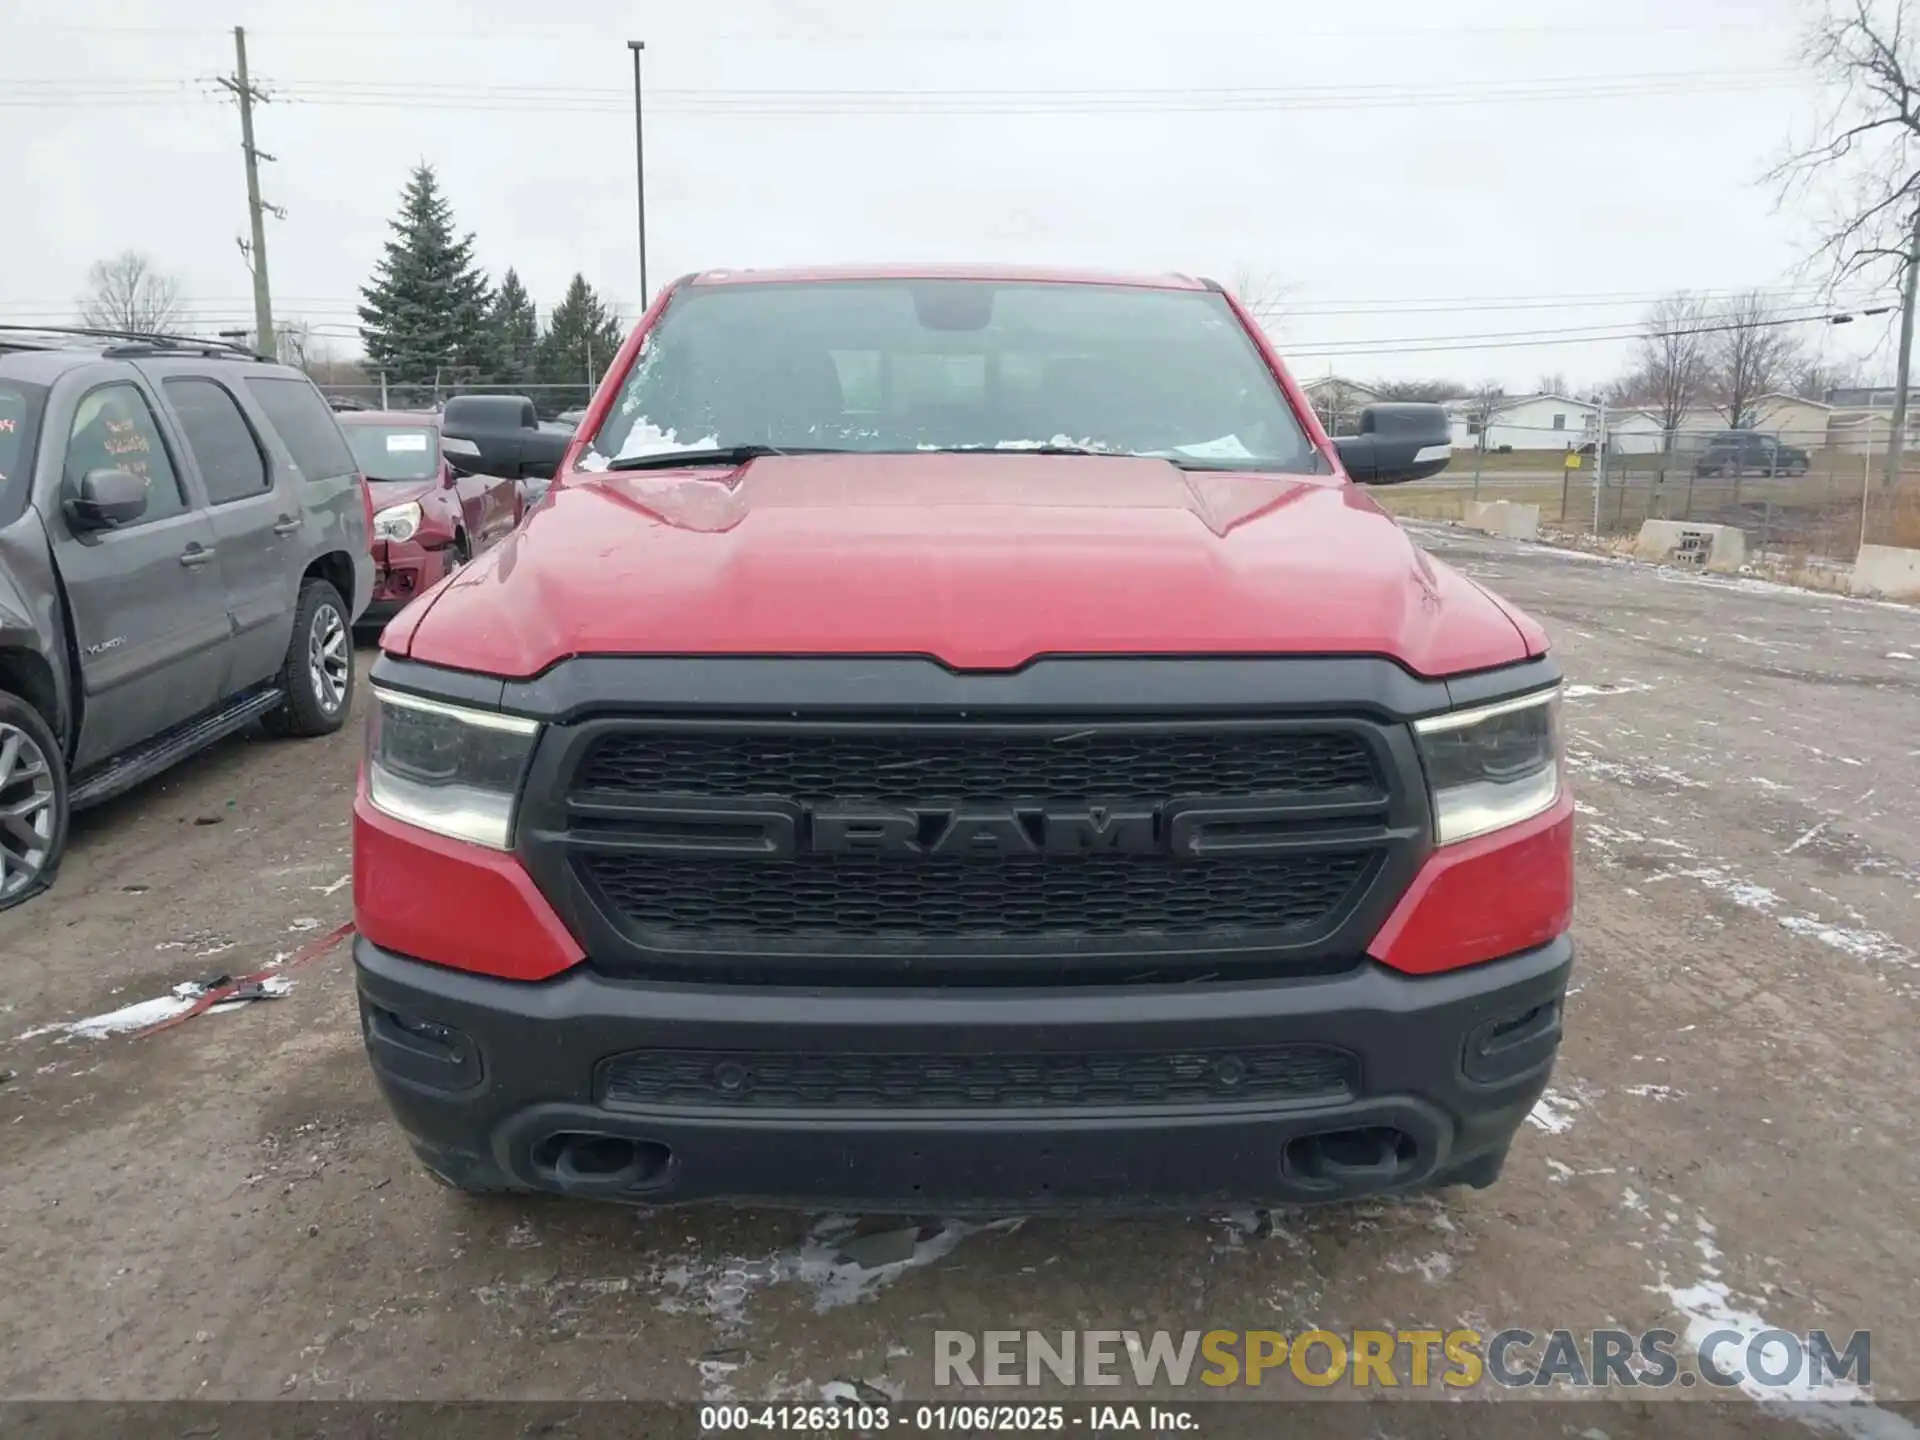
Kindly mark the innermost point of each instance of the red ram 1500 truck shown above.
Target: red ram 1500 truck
(960, 739)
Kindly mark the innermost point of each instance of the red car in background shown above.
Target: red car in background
(428, 519)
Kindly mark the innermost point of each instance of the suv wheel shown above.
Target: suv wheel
(317, 677)
(33, 802)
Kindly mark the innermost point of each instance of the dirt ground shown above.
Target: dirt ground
(222, 1211)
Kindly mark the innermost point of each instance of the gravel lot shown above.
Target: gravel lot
(222, 1210)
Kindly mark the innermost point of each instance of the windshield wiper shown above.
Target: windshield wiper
(719, 455)
(1009, 450)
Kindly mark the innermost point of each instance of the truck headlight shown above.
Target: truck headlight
(1492, 766)
(397, 522)
(445, 768)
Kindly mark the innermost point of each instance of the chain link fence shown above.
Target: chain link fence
(550, 400)
(1811, 496)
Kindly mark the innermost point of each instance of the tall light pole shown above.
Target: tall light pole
(640, 166)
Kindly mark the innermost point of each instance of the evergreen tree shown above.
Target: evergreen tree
(516, 333)
(427, 307)
(579, 344)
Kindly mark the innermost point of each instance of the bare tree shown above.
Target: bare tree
(1814, 378)
(1263, 295)
(127, 293)
(1553, 384)
(1749, 354)
(1429, 392)
(294, 342)
(1863, 169)
(1674, 360)
(1486, 403)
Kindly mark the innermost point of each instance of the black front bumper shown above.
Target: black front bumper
(506, 1084)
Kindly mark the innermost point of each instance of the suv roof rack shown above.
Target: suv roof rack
(135, 342)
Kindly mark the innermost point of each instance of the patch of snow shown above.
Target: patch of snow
(274, 985)
(1808, 835)
(1431, 1268)
(1227, 447)
(714, 1385)
(646, 438)
(1861, 944)
(1553, 1113)
(118, 1022)
(1898, 655)
(720, 1288)
(1062, 442)
(1616, 687)
(1655, 1092)
(1585, 762)
(1743, 893)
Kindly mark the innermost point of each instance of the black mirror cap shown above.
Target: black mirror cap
(464, 414)
(499, 435)
(104, 499)
(541, 452)
(463, 457)
(1398, 442)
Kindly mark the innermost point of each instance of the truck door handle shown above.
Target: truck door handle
(286, 526)
(196, 555)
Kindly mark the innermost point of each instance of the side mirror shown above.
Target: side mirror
(104, 499)
(463, 457)
(499, 435)
(540, 452)
(1397, 442)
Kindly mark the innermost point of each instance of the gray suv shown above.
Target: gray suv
(184, 546)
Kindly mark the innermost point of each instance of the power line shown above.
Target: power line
(1521, 339)
(1219, 100)
(1294, 32)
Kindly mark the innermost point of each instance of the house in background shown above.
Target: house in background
(1791, 419)
(1338, 401)
(1553, 423)
(1634, 432)
(1794, 420)
(1860, 420)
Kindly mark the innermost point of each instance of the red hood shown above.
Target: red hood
(983, 561)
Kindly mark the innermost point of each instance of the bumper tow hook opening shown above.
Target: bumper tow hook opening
(581, 1163)
(1339, 1158)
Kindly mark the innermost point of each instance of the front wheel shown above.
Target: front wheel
(33, 802)
(317, 677)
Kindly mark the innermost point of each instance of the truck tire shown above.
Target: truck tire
(317, 676)
(33, 802)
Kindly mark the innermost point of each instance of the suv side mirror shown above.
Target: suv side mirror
(104, 499)
(1397, 442)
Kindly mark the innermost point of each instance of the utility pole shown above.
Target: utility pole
(1898, 439)
(639, 167)
(256, 253)
(1599, 466)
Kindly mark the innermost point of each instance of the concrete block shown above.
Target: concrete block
(1887, 570)
(1503, 517)
(1709, 547)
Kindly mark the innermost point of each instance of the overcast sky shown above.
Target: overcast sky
(1404, 179)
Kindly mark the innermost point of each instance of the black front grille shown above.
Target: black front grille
(670, 902)
(973, 848)
(902, 765)
(957, 1081)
